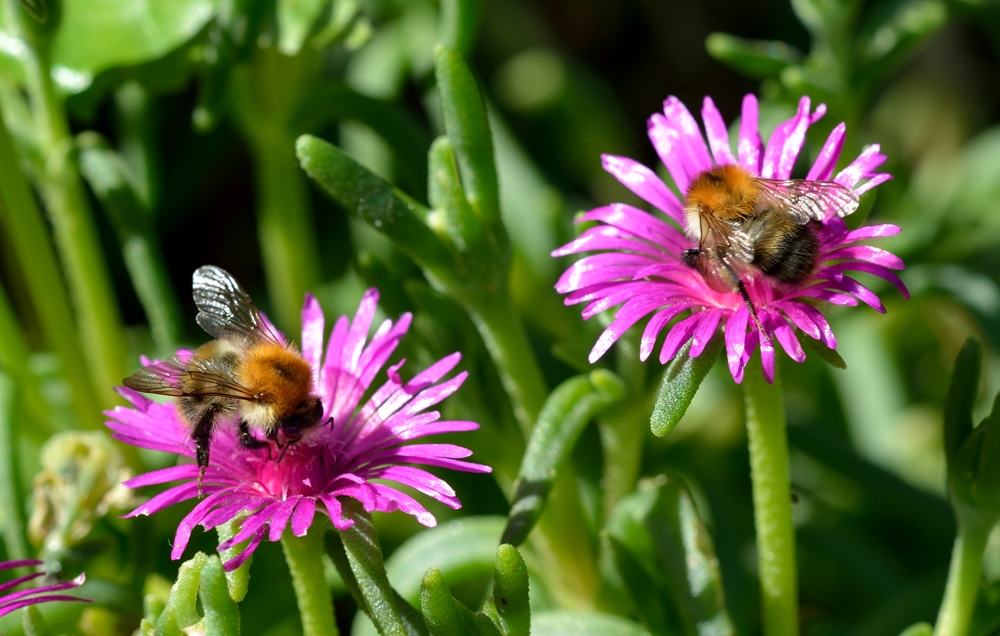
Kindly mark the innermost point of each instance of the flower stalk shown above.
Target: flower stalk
(964, 577)
(101, 328)
(507, 342)
(304, 557)
(284, 218)
(772, 502)
(284, 224)
(23, 223)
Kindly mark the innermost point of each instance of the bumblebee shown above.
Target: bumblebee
(747, 226)
(248, 374)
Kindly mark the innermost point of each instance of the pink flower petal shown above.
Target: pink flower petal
(826, 161)
(302, 518)
(750, 145)
(312, 335)
(644, 182)
(736, 333)
(717, 133)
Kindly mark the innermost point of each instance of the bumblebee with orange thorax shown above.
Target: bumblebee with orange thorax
(246, 374)
(748, 226)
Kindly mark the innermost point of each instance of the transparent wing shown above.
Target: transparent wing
(179, 377)
(725, 237)
(224, 309)
(806, 200)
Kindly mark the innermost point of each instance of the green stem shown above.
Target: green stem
(101, 328)
(507, 341)
(563, 544)
(623, 436)
(304, 557)
(14, 356)
(963, 580)
(364, 556)
(11, 496)
(24, 225)
(147, 269)
(772, 502)
(285, 228)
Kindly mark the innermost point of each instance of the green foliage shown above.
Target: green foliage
(681, 380)
(662, 550)
(33, 622)
(452, 140)
(461, 550)
(568, 409)
(97, 34)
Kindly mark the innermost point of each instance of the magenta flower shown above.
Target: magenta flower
(639, 265)
(364, 442)
(34, 595)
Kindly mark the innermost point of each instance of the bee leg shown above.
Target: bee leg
(247, 440)
(202, 435)
(288, 442)
(753, 311)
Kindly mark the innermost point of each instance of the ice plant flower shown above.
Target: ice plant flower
(639, 261)
(362, 442)
(13, 601)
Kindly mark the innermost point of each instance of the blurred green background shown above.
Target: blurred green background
(184, 117)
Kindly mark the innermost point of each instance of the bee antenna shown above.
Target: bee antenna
(753, 312)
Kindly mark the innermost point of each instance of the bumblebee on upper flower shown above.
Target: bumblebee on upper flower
(757, 250)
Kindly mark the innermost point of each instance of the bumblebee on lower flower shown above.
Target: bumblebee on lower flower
(247, 372)
(364, 441)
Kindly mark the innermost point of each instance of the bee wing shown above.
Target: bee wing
(179, 377)
(224, 309)
(734, 242)
(806, 200)
(717, 273)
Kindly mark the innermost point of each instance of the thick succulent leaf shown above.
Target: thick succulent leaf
(754, 58)
(510, 592)
(468, 128)
(364, 555)
(459, 23)
(222, 617)
(106, 173)
(563, 623)
(661, 530)
(95, 35)
(681, 380)
(181, 611)
(374, 201)
(295, 20)
(461, 550)
(824, 353)
(646, 593)
(411, 617)
(441, 611)
(562, 419)
(918, 629)
(961, 397)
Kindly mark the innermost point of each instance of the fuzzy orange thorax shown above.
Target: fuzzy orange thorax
(278, 376)
(726, 192)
